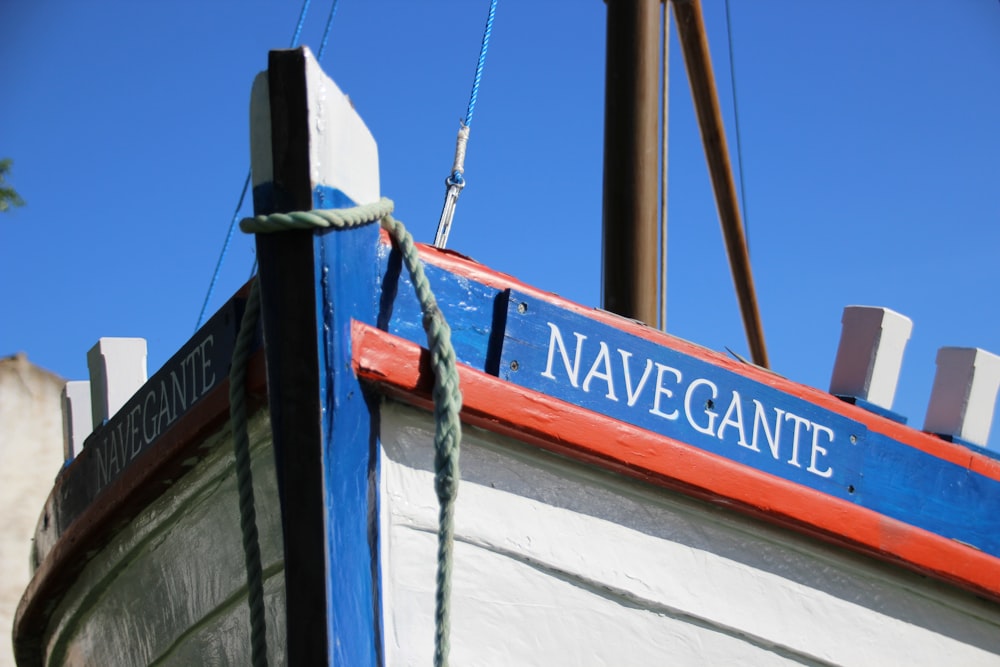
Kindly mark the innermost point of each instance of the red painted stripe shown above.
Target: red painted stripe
(402, 369)
(925, 442)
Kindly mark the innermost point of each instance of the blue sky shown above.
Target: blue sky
(869, 131)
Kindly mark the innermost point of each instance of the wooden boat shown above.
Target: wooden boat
(627, 497)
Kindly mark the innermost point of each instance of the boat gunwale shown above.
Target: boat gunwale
(929, 443)
(145, 479)
(402, 370)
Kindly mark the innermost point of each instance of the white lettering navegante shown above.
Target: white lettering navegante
(160, 404)
(787, 437)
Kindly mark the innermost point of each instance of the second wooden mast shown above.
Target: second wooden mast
(630, 161)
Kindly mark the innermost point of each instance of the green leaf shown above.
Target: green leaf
(8, 195)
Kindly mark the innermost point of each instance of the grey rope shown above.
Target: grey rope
(447, 395)
(244, 478)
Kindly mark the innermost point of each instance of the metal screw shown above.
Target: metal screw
(522, 308)
(854, 439)
(514, 365)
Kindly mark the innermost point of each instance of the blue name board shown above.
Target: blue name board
(199, 367)
(603, 369)
(598, 367)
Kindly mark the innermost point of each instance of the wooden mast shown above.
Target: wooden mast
(630, 159)
(694, 43)
(630, 162)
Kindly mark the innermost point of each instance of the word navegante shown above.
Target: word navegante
(707, 408)
(146, 415)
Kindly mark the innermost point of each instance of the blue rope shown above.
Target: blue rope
(736, 117)
(319, 58)
(298, 26)
(326, 31)
(482, 62)
(222, 255)
(456, 180)
(246, 184)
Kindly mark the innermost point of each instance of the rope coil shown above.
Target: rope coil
(447, 394)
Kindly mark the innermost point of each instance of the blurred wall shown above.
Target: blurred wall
(31, 446)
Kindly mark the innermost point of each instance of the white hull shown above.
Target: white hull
(170, 588)
(558, 563)
(555, 563)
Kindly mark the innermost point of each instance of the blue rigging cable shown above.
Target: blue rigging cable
(736, 115)
(246, 183)
(319, 58)
(456, 180)
(301, 22)
(326, 31)
(474, 95)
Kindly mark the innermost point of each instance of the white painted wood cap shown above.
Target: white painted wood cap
(870, 355)
(117, 370)
(77, 417)
(964, 395)
(342, 151)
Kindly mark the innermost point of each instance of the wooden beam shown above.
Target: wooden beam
(697, 58)
(288, 311)
(630, 159)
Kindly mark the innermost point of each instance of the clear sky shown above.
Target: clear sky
(869, 131)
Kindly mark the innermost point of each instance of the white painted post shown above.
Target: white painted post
(870, 354)
(342, 156)
(117, 370)
(309, 149)
(964, 394)
(77, 417)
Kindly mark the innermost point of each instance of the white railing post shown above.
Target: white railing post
(964, 394)
(77, 417)
(870, 355)
(117, 370)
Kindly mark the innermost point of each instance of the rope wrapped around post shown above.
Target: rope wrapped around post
(244, 478)
(447, 394)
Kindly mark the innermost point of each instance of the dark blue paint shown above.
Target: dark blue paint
(360, 278)
(526, 347)
(924, 491)
(875, 409)
(326, 197)
(347, 281)
(874, 471)
(978, 449)
(86, 476)
(467, 306)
